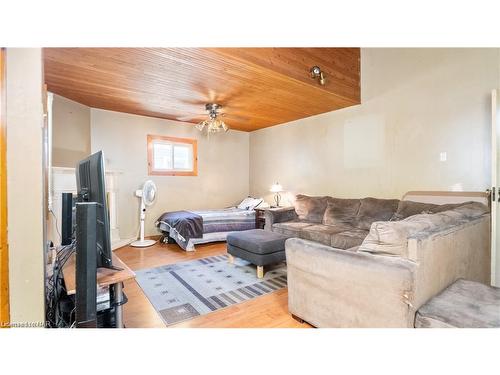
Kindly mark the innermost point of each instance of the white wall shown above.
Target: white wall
(416, 103)
(222, 166)
(25, 184)
(70, 132)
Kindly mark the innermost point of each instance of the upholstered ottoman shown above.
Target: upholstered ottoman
(464, 304)
(259, 247)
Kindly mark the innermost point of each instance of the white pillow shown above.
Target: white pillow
(256, 202)
(250, 203)
(245, 203)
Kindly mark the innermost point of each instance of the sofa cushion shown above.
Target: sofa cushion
(471, 210)
(373, 209)
(322, 233)
(464, 304)
(291, 228)
(447, 207)
(349, 238)
(391, 237)
(410, 208)
(463, 211)
(341, 211)
(310, 208)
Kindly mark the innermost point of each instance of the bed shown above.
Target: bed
(190, 228)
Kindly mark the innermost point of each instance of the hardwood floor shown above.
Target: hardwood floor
(268, 311)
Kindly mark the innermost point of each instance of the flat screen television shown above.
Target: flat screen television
(91, 187)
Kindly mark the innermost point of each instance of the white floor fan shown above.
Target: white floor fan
(148, 196)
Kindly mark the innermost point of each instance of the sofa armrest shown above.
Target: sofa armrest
(461, 251)
(330, 287)
(279, 215)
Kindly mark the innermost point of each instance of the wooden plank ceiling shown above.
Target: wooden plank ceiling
(257, 87)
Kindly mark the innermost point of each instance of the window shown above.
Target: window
(169, 156)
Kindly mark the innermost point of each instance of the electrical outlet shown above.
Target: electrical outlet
(442, 156)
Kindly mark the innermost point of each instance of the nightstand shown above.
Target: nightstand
(260, 218)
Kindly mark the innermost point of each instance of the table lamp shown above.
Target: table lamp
(276, 188)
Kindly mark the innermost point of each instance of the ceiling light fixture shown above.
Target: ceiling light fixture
(213, 124)
(316, 72)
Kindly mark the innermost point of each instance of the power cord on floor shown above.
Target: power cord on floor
(55, 288)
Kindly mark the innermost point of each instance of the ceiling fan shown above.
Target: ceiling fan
(213, 124)
(213, 104)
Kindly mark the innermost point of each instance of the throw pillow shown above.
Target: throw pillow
(250, 203)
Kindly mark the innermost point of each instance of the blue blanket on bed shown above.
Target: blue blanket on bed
(187, 224)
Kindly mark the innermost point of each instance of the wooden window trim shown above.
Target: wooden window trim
(192, 142)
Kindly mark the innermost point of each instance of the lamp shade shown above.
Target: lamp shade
(276, 188)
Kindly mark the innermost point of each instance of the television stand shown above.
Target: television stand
(105, 277)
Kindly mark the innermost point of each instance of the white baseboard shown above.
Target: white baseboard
(121, 243)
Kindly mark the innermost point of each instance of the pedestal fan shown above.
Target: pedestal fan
(148, 196)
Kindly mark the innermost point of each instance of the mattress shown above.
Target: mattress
(207, 238)
(216, 225)
(227, 220)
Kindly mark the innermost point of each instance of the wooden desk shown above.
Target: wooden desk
(105, 277)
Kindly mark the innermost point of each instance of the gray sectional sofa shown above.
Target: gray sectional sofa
(341, 223)
(373, 262)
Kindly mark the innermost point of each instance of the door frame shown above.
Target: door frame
(4, 253)
(494, 187)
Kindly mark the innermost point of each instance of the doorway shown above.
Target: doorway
(495, 185)
(4, 256)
